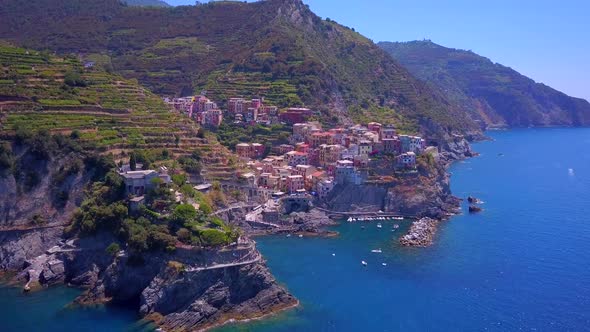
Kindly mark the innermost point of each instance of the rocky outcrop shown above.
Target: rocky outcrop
(474, 209)
(368, 198)
(191, 289)
(188, 301)
(421, 233)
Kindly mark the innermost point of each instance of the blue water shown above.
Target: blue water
(522, 264)
(50, 310)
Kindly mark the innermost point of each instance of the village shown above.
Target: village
(291, 177)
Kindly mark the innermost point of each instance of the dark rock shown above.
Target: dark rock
(421, 233)
(474, 209)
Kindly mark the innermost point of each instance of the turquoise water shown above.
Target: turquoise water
(522, 264)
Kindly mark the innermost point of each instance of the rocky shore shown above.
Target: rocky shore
(189, 289)
(421, 233)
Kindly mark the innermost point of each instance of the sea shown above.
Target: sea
(522, 264)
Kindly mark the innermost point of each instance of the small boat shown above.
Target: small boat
(333, 255)
(364, 263)
(384, 264)
(379, 225)
(398, 218)
(396, 226)
(300, 235)
(349, 219)
(288, 235)
(377, 251)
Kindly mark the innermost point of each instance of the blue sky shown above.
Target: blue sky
(547, 40)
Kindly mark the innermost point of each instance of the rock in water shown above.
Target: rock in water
(474, 209)
(421, 233)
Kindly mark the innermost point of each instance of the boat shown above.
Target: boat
(288, 235)
(396, 226)
(384, 264)
(333, 255)
(300, 235)
(379, 225)
(377, 251)
(398, 218)
(364, 263)
(349, 219)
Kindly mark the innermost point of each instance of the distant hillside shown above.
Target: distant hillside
(147, 3)
(496, 94)
(278, 49)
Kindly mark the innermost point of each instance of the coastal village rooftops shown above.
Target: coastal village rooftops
(137, 174)
(203, 187)
(345, 163)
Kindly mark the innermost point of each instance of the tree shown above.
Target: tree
(132, 161)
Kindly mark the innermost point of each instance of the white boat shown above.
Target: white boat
(333, 255)
(378, 251)
(396, 226)
(288, 235)
(384, 264)
(379, 225)
(349, 219)
(364, 263)
(398, 218)
(300, 235)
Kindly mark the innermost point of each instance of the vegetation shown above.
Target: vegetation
(489, 92)
(99, 111)
(230, 134)
(236, 49)
(113, 249)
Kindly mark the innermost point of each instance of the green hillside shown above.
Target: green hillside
(496, 94)
(109, 113)
(278, 49)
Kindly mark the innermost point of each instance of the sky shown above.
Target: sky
(546, 40)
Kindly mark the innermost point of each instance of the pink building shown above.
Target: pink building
(295, 183)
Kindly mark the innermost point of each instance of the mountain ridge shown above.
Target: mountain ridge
(278, 49)
(147, 3)
(496, 94)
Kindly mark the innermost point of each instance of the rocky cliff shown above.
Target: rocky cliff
(423, 193)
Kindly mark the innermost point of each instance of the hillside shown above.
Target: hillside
(498, 95)
(147, 3)
(277, 49)
(108, 113)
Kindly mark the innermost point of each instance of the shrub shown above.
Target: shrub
(184, 235)
(213, 238)
(113, 249)
(73, 78)
(184, 213)
(179, 179)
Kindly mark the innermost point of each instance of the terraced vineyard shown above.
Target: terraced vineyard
(112, 114)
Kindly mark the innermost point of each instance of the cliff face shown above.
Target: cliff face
(37, 200)
(192, 289)
(425, 193)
